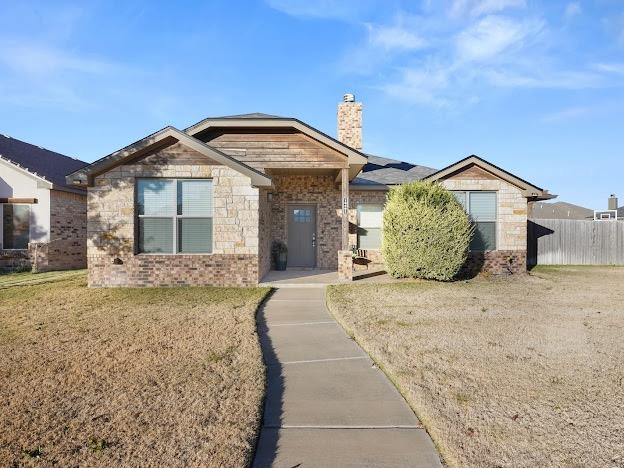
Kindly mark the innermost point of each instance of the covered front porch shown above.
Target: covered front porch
(307, 212)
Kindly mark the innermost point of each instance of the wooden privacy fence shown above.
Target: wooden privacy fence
(575, 242)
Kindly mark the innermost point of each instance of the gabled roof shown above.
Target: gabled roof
(356, 158)
(164, 137)
(529, 190)
(252, 115)
(381, 172)
(40, 162)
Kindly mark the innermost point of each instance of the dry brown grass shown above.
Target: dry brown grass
(523, 371)
(128, 377)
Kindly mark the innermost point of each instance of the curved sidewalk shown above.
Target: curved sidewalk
(326, 403)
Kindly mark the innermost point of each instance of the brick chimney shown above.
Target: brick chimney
(350, 122)
(613, 202)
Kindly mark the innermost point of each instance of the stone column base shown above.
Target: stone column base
(345, 265)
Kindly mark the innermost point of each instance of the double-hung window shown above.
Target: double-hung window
(174, 215)
(369, 226)
(481, 207)
(15, 226)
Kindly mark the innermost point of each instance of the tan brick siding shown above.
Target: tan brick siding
(350, 124)
(264, 234)
(111, 226)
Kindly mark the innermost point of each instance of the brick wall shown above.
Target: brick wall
(264, 234)
(350, 124)
(111, 226)
(67, 248)
(321, 191)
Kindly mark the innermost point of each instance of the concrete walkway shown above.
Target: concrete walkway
(326, 404)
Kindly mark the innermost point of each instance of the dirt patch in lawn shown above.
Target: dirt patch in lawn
(522, 371)
(111, 377)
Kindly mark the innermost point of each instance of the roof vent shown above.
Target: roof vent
(348, 97)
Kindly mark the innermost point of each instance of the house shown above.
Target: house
(44, 220)
(202, 206)
(559, 210)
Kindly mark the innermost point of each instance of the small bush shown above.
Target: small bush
(426, 232)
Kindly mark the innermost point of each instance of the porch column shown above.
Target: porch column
(345, 208)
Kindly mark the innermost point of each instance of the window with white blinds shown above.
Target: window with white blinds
(481, 207)
(369, 226)
(175, 215)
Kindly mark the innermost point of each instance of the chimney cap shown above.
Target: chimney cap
(348, 97)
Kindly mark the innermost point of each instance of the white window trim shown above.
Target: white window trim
(495, 220)
(359, 225)
(175, 217)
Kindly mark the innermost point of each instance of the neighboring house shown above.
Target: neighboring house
(203, 205)
(559, 210)
(43, 218)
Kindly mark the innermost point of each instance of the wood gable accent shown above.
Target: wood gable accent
(158, 141)
(270, 149)
(176, 154)
(475, 163)
(471, 172)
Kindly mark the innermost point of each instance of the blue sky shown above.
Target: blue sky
(536, 87)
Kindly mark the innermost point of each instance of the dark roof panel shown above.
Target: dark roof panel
(386, 171)
(45, 163)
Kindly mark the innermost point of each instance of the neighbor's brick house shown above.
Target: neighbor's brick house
(204, 205)
(44, 220)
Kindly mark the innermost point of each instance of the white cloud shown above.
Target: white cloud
(573, 9)
(545, 79)
(476, 8)
(395, 37)
(36, 60)
(615, 68)
(493, 35)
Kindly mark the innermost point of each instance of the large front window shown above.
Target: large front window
(369, 226)
(175, 215)
(15, 226)
(481, 207)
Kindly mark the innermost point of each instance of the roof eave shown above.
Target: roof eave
(354, 156)
(529, 190)
(85, 176)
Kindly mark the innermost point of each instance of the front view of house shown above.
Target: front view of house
(202, 206)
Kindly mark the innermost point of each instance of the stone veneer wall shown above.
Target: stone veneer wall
(320, 191)
(111, 226)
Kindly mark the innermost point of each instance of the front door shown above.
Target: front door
(301, 236)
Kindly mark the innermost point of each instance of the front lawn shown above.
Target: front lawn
(514, 372)
(110, 377)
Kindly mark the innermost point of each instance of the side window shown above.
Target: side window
(481, 207)
(369, 226)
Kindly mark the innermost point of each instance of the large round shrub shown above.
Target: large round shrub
(426, 232)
